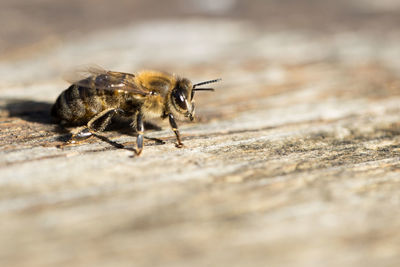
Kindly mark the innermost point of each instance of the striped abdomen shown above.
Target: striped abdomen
(77, 104)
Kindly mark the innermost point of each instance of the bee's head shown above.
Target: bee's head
(182, 96)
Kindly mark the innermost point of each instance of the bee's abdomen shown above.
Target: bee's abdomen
(77, 105)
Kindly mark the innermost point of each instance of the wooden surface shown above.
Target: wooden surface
(293, 161)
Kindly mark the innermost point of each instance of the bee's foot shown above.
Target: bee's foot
(138, 151)
(85, 133)
(179, 145)
(70, 143)
(79, 137)
(61, 146)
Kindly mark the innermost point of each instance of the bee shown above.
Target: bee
(93, 101)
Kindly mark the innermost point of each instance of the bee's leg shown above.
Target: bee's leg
(140, 132)
(78, 135)
(175, 129)
(81, 134)
(104, 117)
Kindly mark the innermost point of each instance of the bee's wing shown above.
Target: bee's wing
(99, 78)
(81, 73)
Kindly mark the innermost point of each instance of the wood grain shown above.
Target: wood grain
(294, 160)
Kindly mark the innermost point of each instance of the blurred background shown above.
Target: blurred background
(32, 24)
(129, 34)
(293, 160)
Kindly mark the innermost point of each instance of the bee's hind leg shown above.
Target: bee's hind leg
(81, 134)
(96, 124)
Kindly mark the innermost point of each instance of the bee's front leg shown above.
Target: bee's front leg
(140, 132)
(174, 127)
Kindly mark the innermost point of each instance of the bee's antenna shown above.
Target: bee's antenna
(206, 82)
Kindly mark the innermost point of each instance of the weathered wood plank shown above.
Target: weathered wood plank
(294, 160)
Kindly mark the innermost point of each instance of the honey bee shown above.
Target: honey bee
(94, 100)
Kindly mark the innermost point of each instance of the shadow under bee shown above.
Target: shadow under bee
(39, 112)
(33, 111)
(121, 146)
(29, 110)
(120, 125)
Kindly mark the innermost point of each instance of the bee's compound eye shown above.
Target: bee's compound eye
(179, 100)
